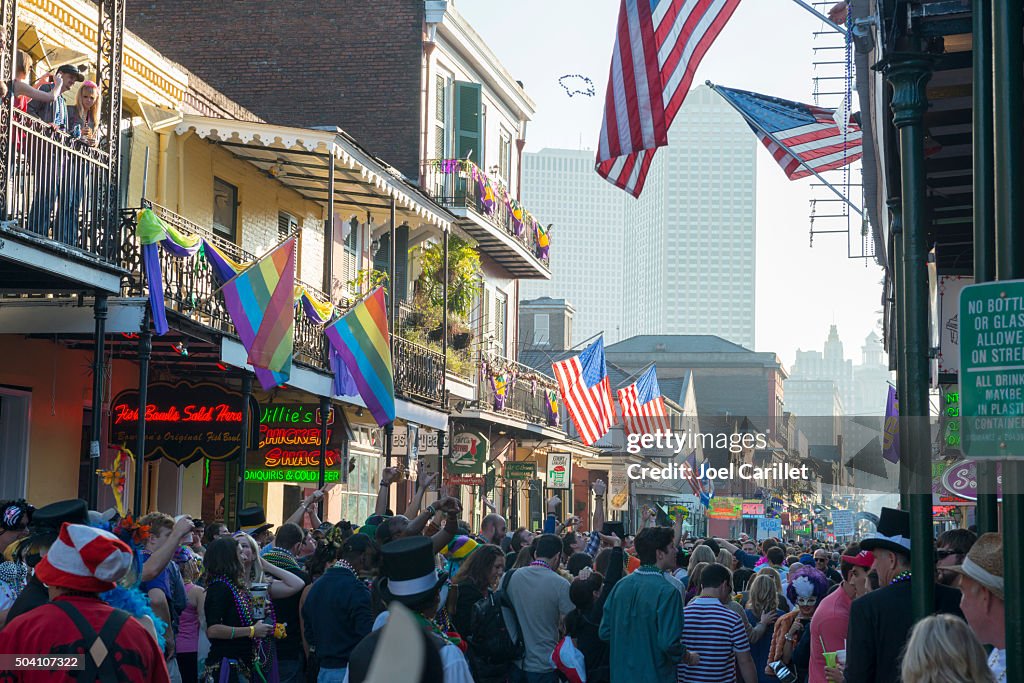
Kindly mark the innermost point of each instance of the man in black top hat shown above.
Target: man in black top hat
(880, 622)
(45, 526)
(408, 576)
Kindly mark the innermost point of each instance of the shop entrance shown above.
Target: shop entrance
(14, 412)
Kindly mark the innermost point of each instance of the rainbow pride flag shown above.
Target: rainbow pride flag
(361, 340)
(261, 302)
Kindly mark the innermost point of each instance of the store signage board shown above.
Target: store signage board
(724, 507)
(752, 509)
(466, 480)
(184, 421)
(289, 445)
(961, 480)
(618, 489)
(469, 453)
(992, 369)
(521, 471)
(425, 441)
(842, 522)
(559, 470)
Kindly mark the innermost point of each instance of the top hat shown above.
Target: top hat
(892, 532)
(49, 518)
(253, 520)
(408, 572)
(984, 563)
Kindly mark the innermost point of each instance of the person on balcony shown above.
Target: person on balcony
(45, 159)
(21, 90)
(83, 123)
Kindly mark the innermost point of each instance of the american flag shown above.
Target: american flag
(691, 474)
(795, 132)
(658, 45)
(643, 406)
(587, 392)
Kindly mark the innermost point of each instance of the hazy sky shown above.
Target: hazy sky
(766, 47)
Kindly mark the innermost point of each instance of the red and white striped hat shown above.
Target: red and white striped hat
(86, 559)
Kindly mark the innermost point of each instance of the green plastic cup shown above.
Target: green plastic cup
(830, 659)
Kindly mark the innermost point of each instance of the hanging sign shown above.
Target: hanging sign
(559, 470)
(724, 507)
(522, 471)
(466, 480)
(468, 454)
(950, 287)
(184, 421)
(752, 509)
(961, 480)
(992, 369)
(618, 489)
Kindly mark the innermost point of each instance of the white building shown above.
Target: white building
(678, 260)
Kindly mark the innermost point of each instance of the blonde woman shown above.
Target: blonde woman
(280, 583)
(85, 114)
(726, 559)
(944, 649)
(777, 578)
(762, 613)
(83, 124)
(701, 553)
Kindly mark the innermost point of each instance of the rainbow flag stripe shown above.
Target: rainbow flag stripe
(261, 302)
(361, 339)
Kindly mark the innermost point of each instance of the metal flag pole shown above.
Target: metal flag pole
(629, 380)
(821, 16)
(793, 154)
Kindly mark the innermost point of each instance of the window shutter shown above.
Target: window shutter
(468, 121)
(286, 224)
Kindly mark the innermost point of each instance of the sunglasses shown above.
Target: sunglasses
(946, 553)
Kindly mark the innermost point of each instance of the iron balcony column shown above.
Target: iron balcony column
(145, 353)
(325, 411)
(329, 233)
(243, 446)
(984, 209)
(909, 73)
(1008, 140)
(896, 210)
(98, 377)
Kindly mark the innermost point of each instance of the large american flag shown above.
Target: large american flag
(801, 132)
(643, 406)
(658, 45)
(587, 392)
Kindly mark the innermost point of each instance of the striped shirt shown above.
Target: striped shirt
(715, 633)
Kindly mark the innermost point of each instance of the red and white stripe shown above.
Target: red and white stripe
(657, 51)
(647, 418)
(821, 145)
(589, 407)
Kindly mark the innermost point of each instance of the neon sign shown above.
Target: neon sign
(291, 476)
(289, 445)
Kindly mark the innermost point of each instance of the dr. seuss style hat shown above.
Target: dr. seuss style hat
(86, 559)
(893, 532)
(253, 520)
(984, 563)
(407, 568)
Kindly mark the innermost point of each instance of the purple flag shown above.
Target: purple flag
(344, 384)
(891, 440)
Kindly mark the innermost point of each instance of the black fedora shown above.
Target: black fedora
(892, 532)
(253, 520)
(407, 571)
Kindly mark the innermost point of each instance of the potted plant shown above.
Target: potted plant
(464, 284)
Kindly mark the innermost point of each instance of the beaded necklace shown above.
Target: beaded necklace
(342, 564)
(262, 650)
(901, 577)
(538, 563)
(648, 569)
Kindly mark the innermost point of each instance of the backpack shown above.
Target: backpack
(490, 639)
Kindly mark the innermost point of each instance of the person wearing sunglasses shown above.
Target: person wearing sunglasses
(951, 548)
(822, 565)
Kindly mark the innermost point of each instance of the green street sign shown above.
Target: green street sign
(992, 369)
(522, 471)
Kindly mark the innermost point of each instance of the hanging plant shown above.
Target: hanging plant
(464, 275)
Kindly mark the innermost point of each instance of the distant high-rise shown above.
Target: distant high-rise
(678, 260)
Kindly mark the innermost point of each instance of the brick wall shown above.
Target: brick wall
(348, 63)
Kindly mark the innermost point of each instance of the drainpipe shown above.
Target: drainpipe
(163, 140)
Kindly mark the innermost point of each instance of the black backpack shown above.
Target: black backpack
(490, 639)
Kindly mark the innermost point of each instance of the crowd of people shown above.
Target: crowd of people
(162, 599)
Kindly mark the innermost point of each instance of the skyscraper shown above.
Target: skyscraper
(678, 260)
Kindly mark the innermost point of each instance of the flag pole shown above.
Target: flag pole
(793, 154)
(821, 16)
(628, 380)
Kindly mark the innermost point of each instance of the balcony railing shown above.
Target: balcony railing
(457, 183)
(419, 372)
(189, 290)
(526, 394)
(58, 188)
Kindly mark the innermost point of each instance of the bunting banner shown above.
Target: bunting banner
(361, 340)
(260, 301)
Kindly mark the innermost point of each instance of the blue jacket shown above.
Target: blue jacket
(338, 607)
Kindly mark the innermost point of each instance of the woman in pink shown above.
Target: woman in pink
(831, 619)
(187, 641)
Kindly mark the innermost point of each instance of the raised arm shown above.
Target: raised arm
(300, 512)
(599, 490)
(161, 557)
(287, 584)
(422, 484)
(387, 477)
(23, 89)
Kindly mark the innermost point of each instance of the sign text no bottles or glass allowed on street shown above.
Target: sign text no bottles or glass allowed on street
(992, 369)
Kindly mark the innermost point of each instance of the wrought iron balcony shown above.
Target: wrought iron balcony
(460, 184)
(527, 392)
(419, 372)
(58, 188)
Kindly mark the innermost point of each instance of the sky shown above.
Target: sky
(768, 47)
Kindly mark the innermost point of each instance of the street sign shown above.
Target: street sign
(992, 369)
(522, 471)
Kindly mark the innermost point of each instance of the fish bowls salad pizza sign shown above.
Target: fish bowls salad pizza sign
(992, 369)
(559, 470)
(466, 461)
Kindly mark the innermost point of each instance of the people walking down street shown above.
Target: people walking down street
(981, 585)
(290, 543)
(943, 649)
(716, 634)
(951, 547)
(643, 615)
(831, 620)
(791, 644)
(81, 564)
(880, 622)
(336, 609)
(762, 613)
(539, 596)
(589, 592)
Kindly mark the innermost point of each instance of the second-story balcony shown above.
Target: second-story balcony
(508, 391)
(505, 231)
(191, 292)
